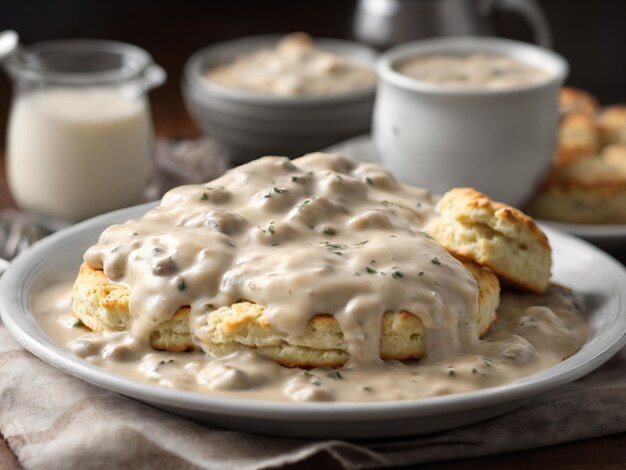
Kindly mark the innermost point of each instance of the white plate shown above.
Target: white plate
(592, 273)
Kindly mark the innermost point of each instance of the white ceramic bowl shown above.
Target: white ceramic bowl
(500, 141)
(251, 124)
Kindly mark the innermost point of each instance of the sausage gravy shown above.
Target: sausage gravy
(490, 71)
(318, 235)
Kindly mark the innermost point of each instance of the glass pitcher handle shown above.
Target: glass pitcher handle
(533, 14)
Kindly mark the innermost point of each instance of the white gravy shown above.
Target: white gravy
(318, 235)
(533, 333)
(295, 67)
(489, 71)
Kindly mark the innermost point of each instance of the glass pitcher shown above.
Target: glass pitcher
(79, 138)
(384, 23)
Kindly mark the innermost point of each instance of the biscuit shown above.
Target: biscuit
(579, 136)
(590, 190)
(103, 305)
(575, 100)
(494, 235)
(612, 122)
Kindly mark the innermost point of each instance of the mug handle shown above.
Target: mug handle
(534, 15)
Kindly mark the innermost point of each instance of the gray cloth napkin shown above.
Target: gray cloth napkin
(52, 420)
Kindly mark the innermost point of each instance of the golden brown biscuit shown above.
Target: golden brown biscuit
(575, 100)
(494, 235)
(612, 122)
(102, 305)
(579, 137)
(590, 190)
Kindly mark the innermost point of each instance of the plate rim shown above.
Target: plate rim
(53, 354)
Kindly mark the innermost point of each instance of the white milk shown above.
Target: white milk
(74, 153)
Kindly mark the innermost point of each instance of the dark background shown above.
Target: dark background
(590, 34)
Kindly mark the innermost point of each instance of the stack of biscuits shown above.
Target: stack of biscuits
(587, 181)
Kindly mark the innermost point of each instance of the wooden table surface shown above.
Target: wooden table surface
(171, 120)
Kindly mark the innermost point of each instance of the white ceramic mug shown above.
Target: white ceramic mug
(500, 141)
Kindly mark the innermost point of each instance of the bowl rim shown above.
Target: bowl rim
(192, 74)
(554, 63)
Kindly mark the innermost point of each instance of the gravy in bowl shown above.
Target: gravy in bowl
(473, 71)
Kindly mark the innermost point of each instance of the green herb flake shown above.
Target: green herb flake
(269, 194)
(338, 253)
(181, 284)
(451, 373)
(339, 178)
(280, 190)
(166, 361)
(364, 242)
(370, 270)
(270, 228)
(435, 261)
(474, 371)
(304, 203)
(335, 374)
(369, 181)
(421, 273)
(367, 389)
(306, 373)
(334, 246)
(397, 274)
(78, 324)
(317, 383)
(205, 196)
(356, 273)
(329, 231)
(386, 203)
(294, 179)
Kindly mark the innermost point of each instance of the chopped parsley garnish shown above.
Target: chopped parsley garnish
(78, 323)
(204, 196)
(270, 228)
(385, 203)
(369, 181)
(294, 179)
(396, 274)
(356, 273)
(363, 242)
(181, 284)
(157, 250)
(317, 383)
(370, 270)
(306, 373)
(168, 361)
(338, 253)
(339, 178)
(280, 190)
(304, 203)
(329, 231)
(335, 374)
(334, 246)
(367, 389)
(451, 372)
(421, 273)
(435, 261)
